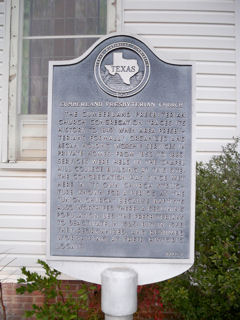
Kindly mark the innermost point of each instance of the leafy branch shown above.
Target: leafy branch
(57, 305)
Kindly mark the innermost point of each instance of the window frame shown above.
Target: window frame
(237, 26)
(11, 118)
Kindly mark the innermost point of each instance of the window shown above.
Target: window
(55, 30)
(43, 30)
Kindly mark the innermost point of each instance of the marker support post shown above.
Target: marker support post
(119, 293)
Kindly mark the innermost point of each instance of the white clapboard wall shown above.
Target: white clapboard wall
(2, 17)
(199, 30)
(22, 193)
(4, 66)
(202, 31)
(33, 137)
(22, 219)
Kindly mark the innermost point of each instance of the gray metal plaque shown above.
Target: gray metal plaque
(120, 182)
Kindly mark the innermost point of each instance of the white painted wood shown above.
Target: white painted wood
(201, 31)
(224, 68)
(23, 209)
(23, 196)
(33, 128)
(22, 173)
(211, 106)
(213, 132)
(119, 16)
(31, 154)
(34, 143)
(201, 5)
(224, 120)
(180, 29)
(23, 260)
(11, 274)
(4, 57)
(23, 235)
(22, 222)
(2, 17)
(33, 137)
(221, 68)
(191, 41)
(216, 93)
(197, 54)
(25, 165)
(1, 131)
(96, 36)
(2, 32)
(207, 145)
(13, 70)
(111, 16)
(179, 17)
(206, 156)
(2, 8)
(21, 247)
(216, 81)
(237, 21)
(22, 183)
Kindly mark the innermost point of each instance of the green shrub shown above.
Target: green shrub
(210, 290)
(57, 305)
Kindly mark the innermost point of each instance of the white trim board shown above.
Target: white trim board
(237, 30)
(5, 93)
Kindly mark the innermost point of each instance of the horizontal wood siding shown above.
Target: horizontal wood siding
(2, 71)
(187, 5)
(202, 31)
(33, 137)
(22, 220)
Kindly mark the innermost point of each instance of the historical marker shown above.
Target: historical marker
(120, 155)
